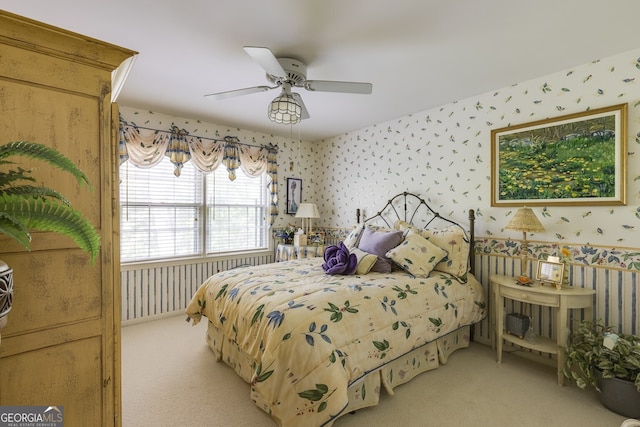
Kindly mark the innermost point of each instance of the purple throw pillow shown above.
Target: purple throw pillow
(379, 243)
(338, 260)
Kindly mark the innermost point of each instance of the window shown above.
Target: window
(195, 214)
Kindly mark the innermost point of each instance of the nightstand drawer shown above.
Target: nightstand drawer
(525, 296)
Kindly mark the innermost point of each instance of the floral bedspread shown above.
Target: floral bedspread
(313, 334)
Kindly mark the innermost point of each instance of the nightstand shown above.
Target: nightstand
(565, 299)
(287, 252)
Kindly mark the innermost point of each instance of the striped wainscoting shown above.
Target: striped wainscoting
(161, 289)
(154, 290)
(614, 273)
(150, 291)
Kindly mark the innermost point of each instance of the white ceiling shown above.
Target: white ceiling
(418, 54)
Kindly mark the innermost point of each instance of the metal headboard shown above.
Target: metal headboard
(415, 210)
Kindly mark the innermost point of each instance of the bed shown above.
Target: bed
(315, 346)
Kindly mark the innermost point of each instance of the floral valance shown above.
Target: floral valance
(146, 147)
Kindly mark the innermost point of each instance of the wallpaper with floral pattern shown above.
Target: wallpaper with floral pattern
(444, 153)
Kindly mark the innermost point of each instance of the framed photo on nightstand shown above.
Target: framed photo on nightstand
(550, 272)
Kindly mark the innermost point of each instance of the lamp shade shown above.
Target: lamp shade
(284, 109)
(307, 210)
(525, 220)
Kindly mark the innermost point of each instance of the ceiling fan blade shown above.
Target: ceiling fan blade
(298, 98)
(238, 92)
(267, 60)
(335, 86)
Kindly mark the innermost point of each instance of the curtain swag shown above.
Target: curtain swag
(145, 148)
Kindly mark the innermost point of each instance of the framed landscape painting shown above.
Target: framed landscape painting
(577, 159)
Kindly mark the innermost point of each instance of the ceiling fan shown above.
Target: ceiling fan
(288, 73)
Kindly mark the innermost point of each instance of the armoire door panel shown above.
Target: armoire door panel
(52, 288)
(72, 129)
(67, 374)
(61, 344)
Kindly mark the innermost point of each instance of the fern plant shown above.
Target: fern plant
(25, 206)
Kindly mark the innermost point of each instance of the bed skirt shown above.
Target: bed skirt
(365, 391)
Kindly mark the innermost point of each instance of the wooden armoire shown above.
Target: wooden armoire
(61, 344)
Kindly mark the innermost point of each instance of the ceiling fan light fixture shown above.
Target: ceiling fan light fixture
(285, 110)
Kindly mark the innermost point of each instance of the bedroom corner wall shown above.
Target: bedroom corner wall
(443, 154)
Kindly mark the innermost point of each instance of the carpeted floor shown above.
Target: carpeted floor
(170, 378)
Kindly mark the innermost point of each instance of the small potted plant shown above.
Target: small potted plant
(286, 234)
(610, 362)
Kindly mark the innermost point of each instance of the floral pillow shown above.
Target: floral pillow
(452, 239)
(351, 241)
(417, 255)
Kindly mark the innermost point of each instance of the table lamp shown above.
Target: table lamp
(307, 211)
(524, 220)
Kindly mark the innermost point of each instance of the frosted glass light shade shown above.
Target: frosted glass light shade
(284, 109)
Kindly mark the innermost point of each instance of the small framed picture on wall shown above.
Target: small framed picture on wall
(294, 195)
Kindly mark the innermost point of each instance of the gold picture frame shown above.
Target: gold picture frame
(550, 272)
(576, 159)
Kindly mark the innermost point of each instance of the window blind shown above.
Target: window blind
(164, 216)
